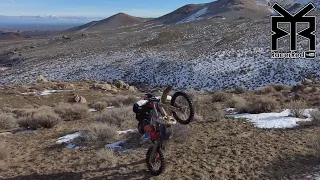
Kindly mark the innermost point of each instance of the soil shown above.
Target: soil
(225, 149)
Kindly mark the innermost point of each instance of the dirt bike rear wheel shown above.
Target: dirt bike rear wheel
(189, 108)
(158, 158)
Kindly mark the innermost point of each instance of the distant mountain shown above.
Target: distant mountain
(220, 9)
(7, 36)
(45, 19)
(115, 21)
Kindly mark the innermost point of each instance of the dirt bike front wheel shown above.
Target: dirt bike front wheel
(182, 101)
(155, 163)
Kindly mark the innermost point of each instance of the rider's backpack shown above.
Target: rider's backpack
(141, 110)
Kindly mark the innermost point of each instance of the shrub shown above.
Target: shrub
(297, 88)
(7, 121)
(40, 118)
(217, 113)
(101, 132)
(70, 112)
(297, 108)
(107, 155)
(220, 96)
(266, 90)
(263, 105)
(46, 119)
(119, 101)
(99, 105)
(23, 112)
(279, 87)
(239, 90)
(116, 116)
(315, 116)
(242, 105)
(234, 101)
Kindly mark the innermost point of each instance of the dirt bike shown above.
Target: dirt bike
(182, 110)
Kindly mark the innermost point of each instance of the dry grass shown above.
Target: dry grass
(101, 133)
(315, 141)
(239, 90)
(3, 152)
(7, 121)
(181, 133)
(220, 96)
(108, 156)
(208, 110)
(24, 112)
(42, 117)
(116, 116)
(119, 101)
(297, 108)
(70, 112)
(198, 118)
(315, 116)
(279, 87)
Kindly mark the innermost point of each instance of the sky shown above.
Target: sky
(92, 8)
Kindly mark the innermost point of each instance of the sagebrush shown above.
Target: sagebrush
(7, 121)
(101, 133)
(70, 112)
(116, 116)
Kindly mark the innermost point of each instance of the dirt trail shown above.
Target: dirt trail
(228, 149)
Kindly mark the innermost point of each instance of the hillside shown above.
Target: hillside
(115, 21)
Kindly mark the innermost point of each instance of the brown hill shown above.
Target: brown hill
(7, 36)
(115, 21)
(221, 8)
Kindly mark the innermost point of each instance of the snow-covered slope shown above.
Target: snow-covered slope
(250, 68)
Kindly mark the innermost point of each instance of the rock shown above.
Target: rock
(84, 35)
(82, 100)
(119, 84)
(64, 86)
(107, 87)
(41, 79)
(76, 98)
(132, 89)
(79, 99)
(114, 90)
(65, 37)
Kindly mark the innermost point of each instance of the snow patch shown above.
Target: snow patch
(84, 29)
(127, 131)
(195, 16)
(68, 137)
(48, 92)
(273, 120)
(92, 110)
(117, 145)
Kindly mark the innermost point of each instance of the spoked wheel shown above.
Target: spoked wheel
(156, 165)
(182, 101)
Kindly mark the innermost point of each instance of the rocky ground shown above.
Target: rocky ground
(208, 148)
